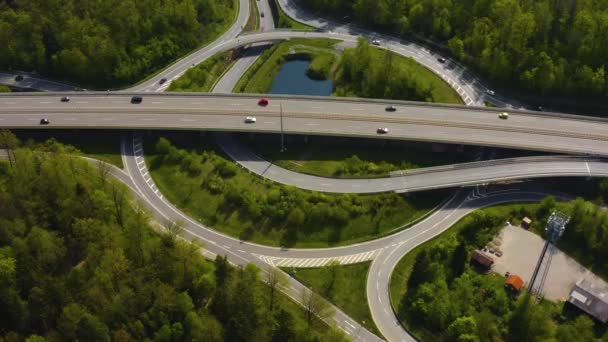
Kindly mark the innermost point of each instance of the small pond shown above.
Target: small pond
(292, 80)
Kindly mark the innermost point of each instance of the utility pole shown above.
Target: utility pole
(282, 134)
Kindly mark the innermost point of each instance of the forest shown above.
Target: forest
(105, 43)
(80, 261)
(447, 299)
(551, 47)
(367, 72)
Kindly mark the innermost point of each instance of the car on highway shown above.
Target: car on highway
(44, 121)
(136, 99)
(375, 41)
(503, 115)
(390, 108)
(382, 130)
(263, 102)
(162, 80)
(441, 60)
(490, 92)
(65, 99)
(262, 14)
(18, 78)
(250, 119)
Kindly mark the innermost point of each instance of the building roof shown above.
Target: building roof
(590, 298)
(482, 259)
(515, 282)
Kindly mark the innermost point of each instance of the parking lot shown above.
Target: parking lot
(520, 252)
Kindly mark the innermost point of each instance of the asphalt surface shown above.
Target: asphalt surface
(317, 116)
(422, 179)
(386, 251)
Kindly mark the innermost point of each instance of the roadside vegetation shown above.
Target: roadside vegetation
(365, 71)
(439, 296)
(258, 78)
(101, 145)
(343, 285)
(343, 161)
(4, 89)
(203, 77)
(214, 190)
(78, 261)
(253, 23)
(543, 46)
(107, 43)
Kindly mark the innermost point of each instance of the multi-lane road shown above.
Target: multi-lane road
(309, 115)
(335, 117)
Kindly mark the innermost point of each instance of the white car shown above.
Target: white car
(490, 92)
(382, 130)
(375, 41)
(250, 119)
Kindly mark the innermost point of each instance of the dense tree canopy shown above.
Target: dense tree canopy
(104, 43)
(447, 300)
(79, 262)
(548, 46)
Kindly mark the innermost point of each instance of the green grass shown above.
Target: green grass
(258, 78)
(4, 89)
(336, 160)
(347, 290)
(489, 104)
(226, 210)
(253, 23)
(102, 145)
(286, 22)
(204, 76)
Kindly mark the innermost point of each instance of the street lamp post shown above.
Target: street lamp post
(282, 134)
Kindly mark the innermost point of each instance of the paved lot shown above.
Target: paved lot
(521, 250)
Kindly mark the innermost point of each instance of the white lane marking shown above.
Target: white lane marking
(588, 170)
(117, 102)
(45, 102)
(82, 102)
(352, 326)
(187, 120)
(147, 119)
(197, 103)
(156, 102)
(9, 103)
(312, 124)
(269, 122)
(107, 119)
(236, 104)
(316, 107)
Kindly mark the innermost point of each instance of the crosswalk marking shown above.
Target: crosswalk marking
(317, 262)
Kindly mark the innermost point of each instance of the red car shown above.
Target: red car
(263, 101)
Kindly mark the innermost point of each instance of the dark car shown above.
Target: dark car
(44, 121)
(136, 99)
(65, 99)
(382, 130)
(18, 78)
(162, 80)
(441, 60)
(262, 14)
(390, 108)
(263, 101)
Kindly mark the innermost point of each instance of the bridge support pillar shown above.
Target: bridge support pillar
(306, 139)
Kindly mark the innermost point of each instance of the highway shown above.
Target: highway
(426, 178)
(334, 117)
(309, 115)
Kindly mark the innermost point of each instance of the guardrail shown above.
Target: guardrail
(494, 162)
(493, 111)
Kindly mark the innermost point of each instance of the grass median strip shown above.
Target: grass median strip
(345, 286)
(204, 76)
(372, 160)
(214, 190)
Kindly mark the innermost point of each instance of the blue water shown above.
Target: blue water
(292, 80)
